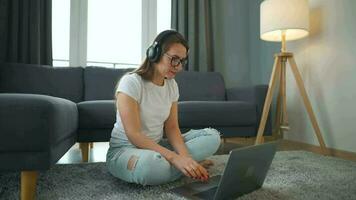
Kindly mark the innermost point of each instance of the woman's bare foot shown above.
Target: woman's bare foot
(206, 163)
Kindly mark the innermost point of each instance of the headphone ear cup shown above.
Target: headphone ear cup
(150, 54)
(153, 52)
(157, 53)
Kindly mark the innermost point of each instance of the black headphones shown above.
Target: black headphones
(154, 51)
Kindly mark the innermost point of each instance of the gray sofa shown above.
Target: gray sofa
(45, 110)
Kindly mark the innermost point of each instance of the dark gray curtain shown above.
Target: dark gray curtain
(26, 31)
(193, 19)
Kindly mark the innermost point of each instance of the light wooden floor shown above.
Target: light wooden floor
(287, 145)
(98, 153)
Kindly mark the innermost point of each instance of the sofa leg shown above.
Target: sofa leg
(84, 147)
(222, 143)
(91, 145)
(28, 184)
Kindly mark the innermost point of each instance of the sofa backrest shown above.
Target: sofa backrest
(100, 82)
(200, 86)
(97, 83)
(64, 82)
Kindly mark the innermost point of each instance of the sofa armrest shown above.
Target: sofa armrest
(253, 94)
(34, 123)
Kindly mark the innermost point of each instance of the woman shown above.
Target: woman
(146, 101)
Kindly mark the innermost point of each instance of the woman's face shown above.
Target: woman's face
(172, 61)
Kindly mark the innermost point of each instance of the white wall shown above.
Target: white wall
(327, 62)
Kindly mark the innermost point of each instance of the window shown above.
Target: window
(60, 32)
(114, 31)
(163, 15)
(117, 32)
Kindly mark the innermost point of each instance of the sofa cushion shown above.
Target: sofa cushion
(100, 82)
(200, 86)
(216, 113)
(99, 114)
(64, 82)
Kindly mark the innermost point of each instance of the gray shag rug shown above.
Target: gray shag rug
(293, 175)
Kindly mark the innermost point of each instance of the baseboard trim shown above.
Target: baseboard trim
(287, 145)
(334, 152)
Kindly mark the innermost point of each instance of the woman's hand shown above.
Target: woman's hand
(190, 167)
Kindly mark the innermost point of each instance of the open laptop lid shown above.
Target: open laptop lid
(245, 170)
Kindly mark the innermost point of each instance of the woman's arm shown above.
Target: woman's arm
(175, 138)
(129, 113)
(172, 131)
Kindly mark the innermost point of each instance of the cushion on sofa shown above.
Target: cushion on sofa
(99, 114)
(200, 86)
(64, 82)
(216, 113)
(100, 82)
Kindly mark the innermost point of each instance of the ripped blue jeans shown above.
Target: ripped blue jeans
(147, 167)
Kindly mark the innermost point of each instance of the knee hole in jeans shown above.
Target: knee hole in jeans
(159, 160)
(158, 156)
(131, 164)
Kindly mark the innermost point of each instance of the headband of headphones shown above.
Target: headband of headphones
(164, 34)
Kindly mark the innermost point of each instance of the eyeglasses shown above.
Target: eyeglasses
(176, 61)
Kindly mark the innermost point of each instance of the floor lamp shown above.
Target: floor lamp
(281, 21)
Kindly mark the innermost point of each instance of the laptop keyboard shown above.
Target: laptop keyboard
(203, 186)
(208, 194)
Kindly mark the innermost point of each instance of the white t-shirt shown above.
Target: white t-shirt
(154, 106)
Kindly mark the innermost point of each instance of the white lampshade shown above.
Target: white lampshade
(290, 16)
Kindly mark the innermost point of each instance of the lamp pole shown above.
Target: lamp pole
(283, 36)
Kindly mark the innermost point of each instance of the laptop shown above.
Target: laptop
(245, 171)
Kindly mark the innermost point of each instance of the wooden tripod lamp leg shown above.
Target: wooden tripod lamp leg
(277, 121)
(284, 95)
(307, 104)
(268, 100)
